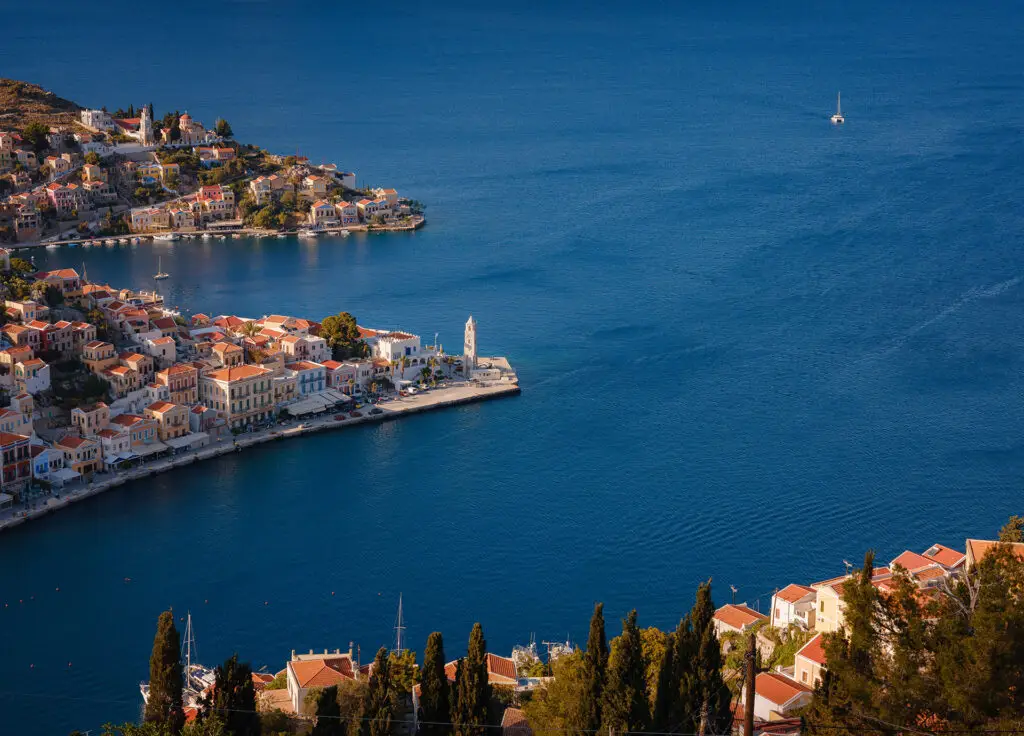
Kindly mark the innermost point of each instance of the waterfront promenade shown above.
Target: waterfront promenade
(452, 394)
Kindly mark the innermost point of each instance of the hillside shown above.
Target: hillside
(22, 103)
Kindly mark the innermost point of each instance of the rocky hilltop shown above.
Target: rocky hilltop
(22, 103)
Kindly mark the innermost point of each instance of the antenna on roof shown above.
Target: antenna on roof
(735, 590)
(849, 566)
(399, 629)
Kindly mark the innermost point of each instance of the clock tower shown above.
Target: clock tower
(469, 347)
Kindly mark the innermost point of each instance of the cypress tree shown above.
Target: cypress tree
(165, 678)
(435, 699)
(378, 703)
(676, 690)
(595, 661)
(712, 697)
(234, 698)
(328, 714)
(665, 692)
(624, 705)
(472, 690)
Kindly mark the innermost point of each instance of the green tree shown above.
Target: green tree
(403, 670)
(595, 663)
(624, 704)
(35, 135)
(234, 698)
(472, 689)
(713, 699)
(208, 727)
(378, 701)
(328, 714)
(341, 331)
(435, 699)
(222, 128)
(556, 707)
(1013, 530)
(165, 679)
(22, 267)
(654, 645)
(92, 158)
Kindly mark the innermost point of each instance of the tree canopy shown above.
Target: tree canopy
(341, 331)
(472, 689)
(165, 677)
(435, 698)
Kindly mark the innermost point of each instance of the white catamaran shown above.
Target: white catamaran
(196, 678)
(838, 118)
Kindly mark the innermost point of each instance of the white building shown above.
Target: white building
(305, 671)
(98, 120)
(794, 604)
(776, 696)
(397, 345)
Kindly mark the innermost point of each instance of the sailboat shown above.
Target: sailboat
(159, 275)
(838, 118)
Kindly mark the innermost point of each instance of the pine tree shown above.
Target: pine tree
(435, 700)
(234, 698)
(595, 662)
(165, 679)
(624, 704)
(472, 689)
(678, 709)
(378, 703)
(328, 714)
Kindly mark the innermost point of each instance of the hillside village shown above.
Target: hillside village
(115, 174)
(98, 378)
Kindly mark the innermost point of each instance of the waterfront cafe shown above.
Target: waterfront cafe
(320, 403)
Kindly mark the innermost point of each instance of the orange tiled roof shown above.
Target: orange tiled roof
(814, 650)
(738, 616)
(778, 689)
(793, 592)
(944, 555)
(238, 373)
(322, 672)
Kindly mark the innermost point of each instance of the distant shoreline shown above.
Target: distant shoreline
(416, 224)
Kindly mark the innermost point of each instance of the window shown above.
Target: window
(803, 676)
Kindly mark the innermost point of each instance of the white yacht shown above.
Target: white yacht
(160, 275)
(838, 118)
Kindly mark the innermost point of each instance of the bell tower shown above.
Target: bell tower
(146, 127)
(469, 346)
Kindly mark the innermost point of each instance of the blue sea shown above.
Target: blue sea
(751, 344)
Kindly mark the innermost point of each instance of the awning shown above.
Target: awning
(179, 443)
(147, 450)
(63, 475)
(199, 439)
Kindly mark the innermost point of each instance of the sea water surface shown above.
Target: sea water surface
(751, 345)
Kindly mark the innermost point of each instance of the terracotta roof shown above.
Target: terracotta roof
(127, 420)
(738, 616)
(118, 370)
(514, 723)
(132, 356)
(96, 344)
(499, 669)
(7, 438)
(178, 368)
(159, 407)
(399, 336)
(34, 362)
(978, 548)
(778, 689)
(108, 434)
(929, 573)
(331, 364)
(237, 373)
(303, 365)
(322, 672)
(793, 592)
(164, 323)
(162, 340)
(71, 442)
(226, 347)
(944, 555)
(911, 561)
(814, 650)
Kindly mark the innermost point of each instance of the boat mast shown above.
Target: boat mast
(399, 628)
(839, 106)
(189, 639)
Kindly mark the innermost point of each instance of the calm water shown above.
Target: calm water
(751, 345)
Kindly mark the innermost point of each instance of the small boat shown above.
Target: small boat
(160, 274)
(168, 236)
(838, 118)
(222, 237)
(308, 233)
(207, 236)
(52, 246)
(281, 235)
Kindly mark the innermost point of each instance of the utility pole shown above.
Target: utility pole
(748, 700)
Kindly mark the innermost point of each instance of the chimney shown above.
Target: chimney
(310, 651)
(293, 655)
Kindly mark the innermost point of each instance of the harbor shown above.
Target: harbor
(452, 395)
